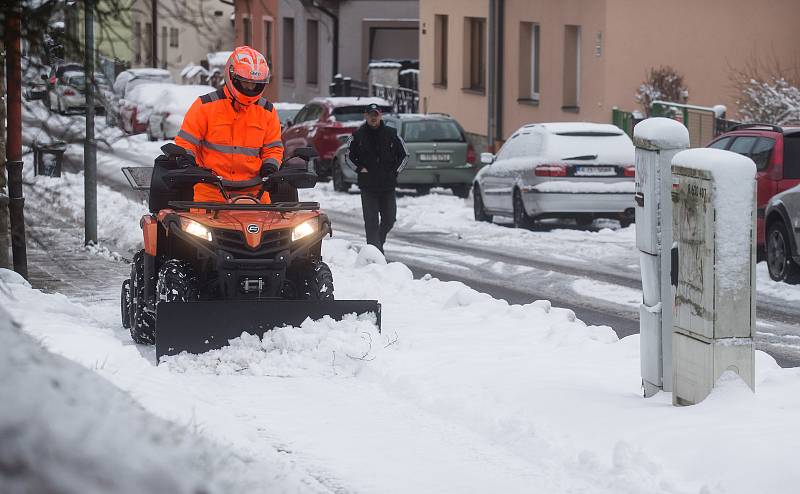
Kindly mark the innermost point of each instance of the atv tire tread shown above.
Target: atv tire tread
(312, 280)
(143, 322)
(176, 282)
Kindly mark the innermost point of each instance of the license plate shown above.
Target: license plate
(434, 157)
(595, 171)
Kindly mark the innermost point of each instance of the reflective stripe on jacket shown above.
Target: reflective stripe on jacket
(233, 143)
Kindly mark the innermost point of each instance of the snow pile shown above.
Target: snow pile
(664, 133)
(316, 348)
(65, 429)
(734, 202)
(218, 59)
(165, 98)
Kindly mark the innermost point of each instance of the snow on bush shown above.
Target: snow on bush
(774, 101)
(663, 83)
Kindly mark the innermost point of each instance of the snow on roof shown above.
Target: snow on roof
(384, 65)
(57, 24)
(218, 58)
(287, 106)
(734, 178)
(353, 101)
(569, 127)
(73, 73)
(192, 70)
(169, 98)
(144, 73)
(409, 71)
(665, 133)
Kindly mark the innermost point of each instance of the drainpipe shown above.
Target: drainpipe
(490, 80)
(501, 32)
(154, 33)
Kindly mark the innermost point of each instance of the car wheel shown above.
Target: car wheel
(423, 190)
(521, 218)
(780, 264)
(584, 220)
(478, 207)
(461, 191)
(150, 136)
(339, 184)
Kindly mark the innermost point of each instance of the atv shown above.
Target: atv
(212, 270)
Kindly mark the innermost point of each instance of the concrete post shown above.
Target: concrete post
(657, 141)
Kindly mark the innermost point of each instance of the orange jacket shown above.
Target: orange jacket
(232, 142)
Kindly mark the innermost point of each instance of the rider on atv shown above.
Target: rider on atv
(233, 131)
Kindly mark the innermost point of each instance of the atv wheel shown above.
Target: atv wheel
(125, 304)
(310, 280)
(521, 218)
(339, 185)
(477, 206)
(780, 264)
(176, 282)
(143, 322)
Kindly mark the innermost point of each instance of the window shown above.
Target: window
(475, 53)
(761, 152)
(529, 61)
(288, 49)
(137, 42)
(791, 156)
(313, 114)
(440, 50)
(268, 42)
(312, 51)
(148, 44)
(743, 145)
(173, 37)
(432, 131)
(164, 47)
(572, 67)
(721, 144)
(247, 27)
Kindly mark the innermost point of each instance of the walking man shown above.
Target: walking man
(379, 155)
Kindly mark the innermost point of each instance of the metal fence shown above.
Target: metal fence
(403, 100)
(702, 123)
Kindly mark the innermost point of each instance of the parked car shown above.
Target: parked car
(438, 155)
(36, 90)
(125, 82)
(320, 123)
(782, 223)
(286, 112)
(165, 105)
(70, 92)
(556, 170)
(56, 71)
(776, 153)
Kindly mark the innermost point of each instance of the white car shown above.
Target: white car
(69, 92)
(558, 170)
(125, 82)
(165, 105)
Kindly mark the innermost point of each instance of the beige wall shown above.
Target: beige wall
(702, 39)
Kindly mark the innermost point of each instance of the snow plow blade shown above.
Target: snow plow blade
(197, 327)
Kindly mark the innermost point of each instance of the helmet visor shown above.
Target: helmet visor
(249, 88)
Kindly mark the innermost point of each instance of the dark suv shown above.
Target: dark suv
(776, 153)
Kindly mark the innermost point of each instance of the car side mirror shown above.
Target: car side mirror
(487, 158)
(288, 123)
(43, 76)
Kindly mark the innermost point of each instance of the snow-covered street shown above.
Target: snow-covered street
(508, 362)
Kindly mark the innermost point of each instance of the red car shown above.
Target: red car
(776, 153)
(324, 123)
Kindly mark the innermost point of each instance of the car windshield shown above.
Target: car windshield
(589, 146)
(432, 131)
(77, 81)
(351, 113)
(284, 115)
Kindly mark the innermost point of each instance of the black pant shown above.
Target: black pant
(374, 203)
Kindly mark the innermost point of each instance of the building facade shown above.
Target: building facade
(312, 40)
(187, 30)
(563, 60)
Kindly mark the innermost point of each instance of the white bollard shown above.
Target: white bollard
(657, 141)
(714, 225)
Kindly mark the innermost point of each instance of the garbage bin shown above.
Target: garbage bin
(47, 158)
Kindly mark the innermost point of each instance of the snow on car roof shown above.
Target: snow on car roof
(158, 75)
(169, 98)
(420, 116)
(73, 73)
(287, 106)
(218, 57)
(338, 101)
(570, 127)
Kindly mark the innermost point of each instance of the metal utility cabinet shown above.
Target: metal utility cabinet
(714, 290)
(657, 141)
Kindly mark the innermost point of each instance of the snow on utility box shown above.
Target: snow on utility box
(713, 197)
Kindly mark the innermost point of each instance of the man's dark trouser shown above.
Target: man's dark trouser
(374, 203)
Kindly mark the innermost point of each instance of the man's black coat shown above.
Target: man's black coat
(381, 152)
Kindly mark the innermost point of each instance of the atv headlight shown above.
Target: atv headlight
(196, 229)
(304, 229)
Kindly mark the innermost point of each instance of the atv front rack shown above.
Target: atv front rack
(281, 207)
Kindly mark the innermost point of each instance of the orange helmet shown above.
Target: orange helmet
(246, 65)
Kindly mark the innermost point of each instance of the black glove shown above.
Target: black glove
(268, 168)
(185, 161)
